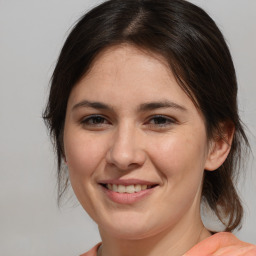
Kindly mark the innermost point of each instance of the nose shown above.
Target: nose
(126, 151)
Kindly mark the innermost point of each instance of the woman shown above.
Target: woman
(143, 111)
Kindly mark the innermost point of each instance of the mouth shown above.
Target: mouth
(128, 189)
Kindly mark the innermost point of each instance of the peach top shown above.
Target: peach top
(205, 247)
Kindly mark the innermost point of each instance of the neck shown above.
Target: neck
(174, 241)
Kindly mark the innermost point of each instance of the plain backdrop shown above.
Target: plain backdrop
(32, 33)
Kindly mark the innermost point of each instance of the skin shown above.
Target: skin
(127, 141)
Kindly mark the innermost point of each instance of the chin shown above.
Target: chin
(131, 227)
(128, 232)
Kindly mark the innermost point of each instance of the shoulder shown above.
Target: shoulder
(222, 242)
(93, 251)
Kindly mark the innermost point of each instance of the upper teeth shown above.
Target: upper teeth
(127, 189)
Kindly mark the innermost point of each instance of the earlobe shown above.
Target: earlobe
(220, 147)
(64, 158)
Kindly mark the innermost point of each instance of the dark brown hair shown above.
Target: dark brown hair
(198, 56)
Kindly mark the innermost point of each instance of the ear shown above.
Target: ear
(220, 146)
(65, 160)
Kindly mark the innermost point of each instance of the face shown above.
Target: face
(135, 145)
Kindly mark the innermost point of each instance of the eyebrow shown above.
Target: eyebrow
(89, 104)
(142, 108)
(160, 104)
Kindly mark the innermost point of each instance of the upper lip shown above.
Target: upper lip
(127, 182)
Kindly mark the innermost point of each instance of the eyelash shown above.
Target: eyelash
(99, 121)
(90, 121)
(167, 121)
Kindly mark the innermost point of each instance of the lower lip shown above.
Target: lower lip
(127, 198)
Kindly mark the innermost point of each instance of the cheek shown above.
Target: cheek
(180, 162)
(180, 157)
(83, 154)
(84, 157)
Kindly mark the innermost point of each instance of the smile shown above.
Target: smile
(127, 189)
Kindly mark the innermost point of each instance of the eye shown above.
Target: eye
(95, 121)
(160, 121)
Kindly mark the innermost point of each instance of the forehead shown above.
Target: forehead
(127, 59)
(125, 67)
(125, 51)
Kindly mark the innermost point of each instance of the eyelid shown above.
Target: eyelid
(172, 119)
(169, 121)
(89, 117)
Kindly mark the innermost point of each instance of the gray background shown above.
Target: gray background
(31, 35)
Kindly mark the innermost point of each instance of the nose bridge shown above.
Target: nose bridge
(126, 150)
